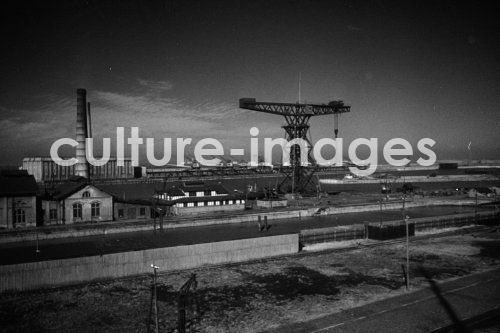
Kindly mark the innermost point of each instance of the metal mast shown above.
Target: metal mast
(297, 116)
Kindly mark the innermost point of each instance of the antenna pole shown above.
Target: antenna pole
(300, 79)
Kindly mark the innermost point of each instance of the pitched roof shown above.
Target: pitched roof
(205, 187)
(174, 191)
(126, 191)
(17, 183)
(66, 189)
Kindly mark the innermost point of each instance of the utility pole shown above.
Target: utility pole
(37, 248)
(380, 201)
(407, 254)
(405, 219)
(155, 300)
(475, 209)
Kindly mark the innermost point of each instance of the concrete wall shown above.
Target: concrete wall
(332, 234)
(456, 220)
(271, 203)
(359, 231)
(77, 270)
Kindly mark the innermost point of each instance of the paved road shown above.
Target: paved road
(131, 241)
(419, 311)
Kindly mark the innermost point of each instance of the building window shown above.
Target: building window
(86, 194)
(53, 214)
(120, 213)
(142, 211)
(192, 194)
(207, 193)
(77, 210)
(131, 213)
(20, 216)
(95, 209)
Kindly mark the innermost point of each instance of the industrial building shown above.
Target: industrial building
(18, 202)
(76, 202)
(44, 169)
(136, 209)
(199, 197)
(137, 201)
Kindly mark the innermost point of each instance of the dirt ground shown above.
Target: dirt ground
(255, 296)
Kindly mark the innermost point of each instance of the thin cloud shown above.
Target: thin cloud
(353, 28)
(156, 85)
(34, 130)
(158, 116)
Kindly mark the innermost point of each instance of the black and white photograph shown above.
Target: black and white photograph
(275, 166)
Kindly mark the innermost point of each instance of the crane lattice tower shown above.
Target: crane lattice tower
(297, 116)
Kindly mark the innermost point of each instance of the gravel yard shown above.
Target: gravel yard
(254, 296)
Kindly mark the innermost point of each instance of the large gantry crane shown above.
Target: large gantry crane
(297, 118)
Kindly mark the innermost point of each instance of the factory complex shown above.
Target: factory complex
(44, 193)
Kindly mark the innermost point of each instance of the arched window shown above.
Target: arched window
(95, 209)
(77, 210)
(20, 216)
(86, 194)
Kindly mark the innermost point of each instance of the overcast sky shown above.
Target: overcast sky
(177, 69)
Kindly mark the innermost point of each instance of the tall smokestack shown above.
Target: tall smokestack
(81, 167)
(89, 122)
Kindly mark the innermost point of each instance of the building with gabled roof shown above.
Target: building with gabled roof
(200, 197)
(18, 204)
(76, 202)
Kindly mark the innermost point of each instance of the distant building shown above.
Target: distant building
(76, 202)
(44, 169)
(18, 204)
(137, 209)
(198, 197)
